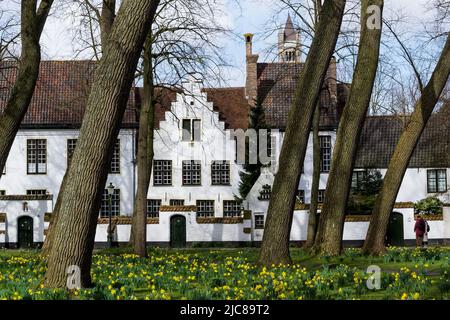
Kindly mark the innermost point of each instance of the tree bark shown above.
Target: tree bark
(332, 216)
(106, 22)
(107, 17)
(275, 244)
(32, 24)
(313, 217)
(144, 156)
(80, 200)
(374, 243)
(47, 246)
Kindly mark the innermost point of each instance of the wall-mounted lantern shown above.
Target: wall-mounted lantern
(25, 206)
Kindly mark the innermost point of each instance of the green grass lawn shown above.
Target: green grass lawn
(233, 274)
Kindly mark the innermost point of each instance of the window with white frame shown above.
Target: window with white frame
(437, 181)
(36, 156)
(71, 145)
(205, 208)
(176, 202)
(232, 208)
(115, 204)
(162, 172)
(325, 153)
(191, 130)
(114, 166)
(220, 173)
(259, 221)
(192, 173)
(321, 196)
(358, 178)
(271, 144)
(37, 192)
(153, 207)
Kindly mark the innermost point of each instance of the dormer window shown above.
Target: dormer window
(191, 130)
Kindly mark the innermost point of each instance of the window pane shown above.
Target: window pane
(71, 145)
(37, 156)
(197, 130)
(115, 160)
(231, 208)
(321, 196)
(259, 221)
(153, 207)
(205, 208)
(325, 153)
(442, 180)
(110, 204)
(220, 173)
(187, 130)
(432, 187)
(191, 172)
(176, 202)
(162, 172)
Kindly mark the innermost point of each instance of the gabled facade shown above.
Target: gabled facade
(194, 195)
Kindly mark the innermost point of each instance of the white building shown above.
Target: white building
(194, 195)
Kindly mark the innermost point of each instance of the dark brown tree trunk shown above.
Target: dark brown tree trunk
(107, 17)
(32, 24)
(106, 21)
(332, 216)
(275, 244)
(144, 156)
(375, 239)
(47, 246)
(313, 217)
(80, 200)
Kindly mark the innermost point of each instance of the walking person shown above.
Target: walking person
(419, 229)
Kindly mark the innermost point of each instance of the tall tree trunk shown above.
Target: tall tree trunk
(80, 200)
(47, 246)
(32, 24)
(275, 244)
(313, 217)
(106, 22)
(385, 202)
(107, 17)
(332, 216)
(144, 156)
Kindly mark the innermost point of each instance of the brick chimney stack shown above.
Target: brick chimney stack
(331, 79)
(251, 86)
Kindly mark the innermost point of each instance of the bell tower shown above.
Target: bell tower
(289, 43)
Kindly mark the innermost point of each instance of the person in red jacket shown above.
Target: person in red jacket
(419, 229)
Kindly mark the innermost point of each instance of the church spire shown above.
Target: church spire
(289, 43)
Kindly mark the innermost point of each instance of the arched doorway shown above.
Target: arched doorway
(395, 233)
(25, 232)
(178, 232)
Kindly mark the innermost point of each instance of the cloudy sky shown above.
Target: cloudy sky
(249, 16)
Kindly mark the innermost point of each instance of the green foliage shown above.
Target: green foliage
(251, 173)
(430, 205)
(234, 274)
(371, 183)
(362, 199)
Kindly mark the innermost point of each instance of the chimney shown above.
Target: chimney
(251, 85)
(331, 79)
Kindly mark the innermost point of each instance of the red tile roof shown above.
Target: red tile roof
(232, 106)
(60, 95)
(277, 83)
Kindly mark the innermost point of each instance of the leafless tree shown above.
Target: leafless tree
(80, 200)
(32, 22)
